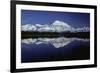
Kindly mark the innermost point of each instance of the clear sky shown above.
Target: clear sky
(48, 17)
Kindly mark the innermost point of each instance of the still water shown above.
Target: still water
(54, 49)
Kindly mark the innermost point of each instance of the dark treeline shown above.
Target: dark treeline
(39, 34)
(78, 34)
(54, 34)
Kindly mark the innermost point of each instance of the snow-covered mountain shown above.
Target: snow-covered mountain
(83, 29)
(28, 27)
(56, 26)
(60, 26)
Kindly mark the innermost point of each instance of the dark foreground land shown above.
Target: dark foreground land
(54, 34)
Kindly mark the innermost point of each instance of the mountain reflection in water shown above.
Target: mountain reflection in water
(54, 49)
(56, 42)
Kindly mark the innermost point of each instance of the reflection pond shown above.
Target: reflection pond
(54, 49)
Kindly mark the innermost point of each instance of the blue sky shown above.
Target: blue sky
(48, 17)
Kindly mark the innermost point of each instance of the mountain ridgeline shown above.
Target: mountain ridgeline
(56, 29)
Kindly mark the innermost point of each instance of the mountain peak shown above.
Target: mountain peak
(61, 23)
(57, 21)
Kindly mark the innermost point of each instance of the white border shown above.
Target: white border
(20, 65)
